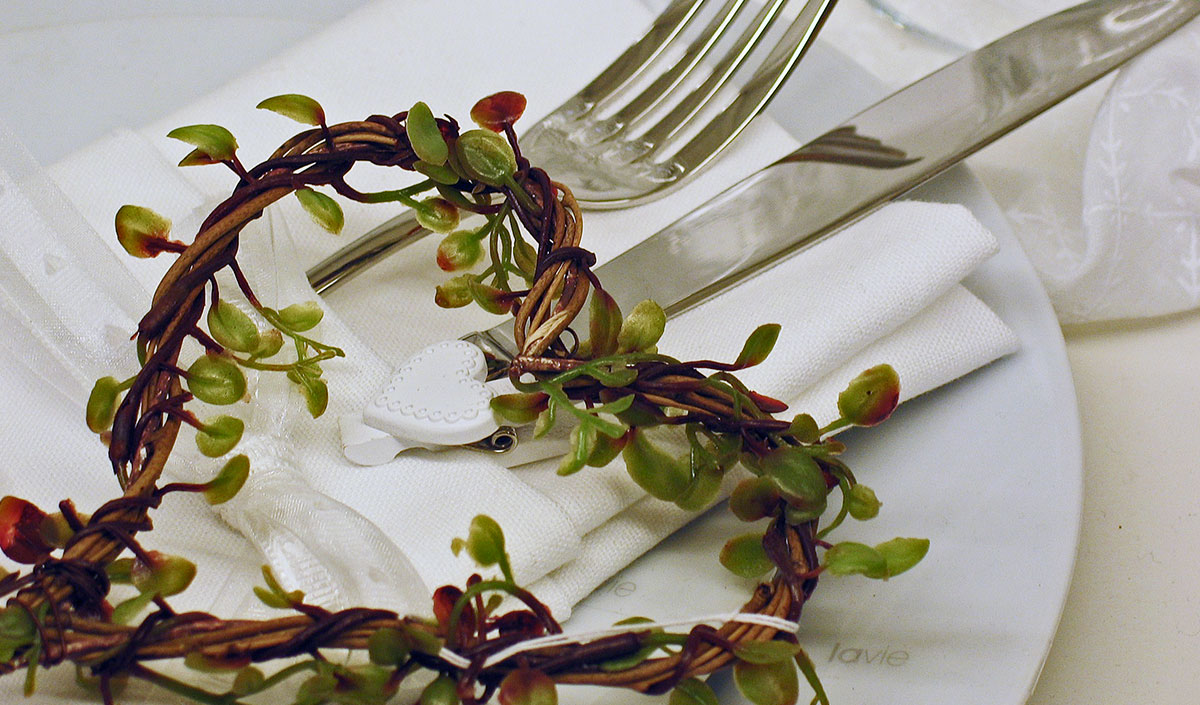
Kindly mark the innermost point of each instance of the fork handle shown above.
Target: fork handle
(395, 234)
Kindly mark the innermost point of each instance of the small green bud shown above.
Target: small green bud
(454, 293)
(229, 481)
(248, 681)
(871, 397)
(424, 136)
(437, 214)
(301, 317)
(486, 157)
(524, 255)
(582, 446)
(461, 249)
(163, 574)
(102, 404)
(804, 429)
(216, 380)
(485, 541)
(604, 324)
(862, 502)
(387, 647)
(525, 686)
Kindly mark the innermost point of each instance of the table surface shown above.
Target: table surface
(1130, 631)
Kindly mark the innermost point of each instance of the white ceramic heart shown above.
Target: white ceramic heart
(438, 397)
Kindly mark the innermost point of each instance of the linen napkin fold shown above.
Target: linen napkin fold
(567, 535)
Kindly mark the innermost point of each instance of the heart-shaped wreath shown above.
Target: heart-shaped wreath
(614, 385)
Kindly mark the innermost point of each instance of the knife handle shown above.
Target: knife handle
(393, 235)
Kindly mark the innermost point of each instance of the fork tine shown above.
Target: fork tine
(757, 91)
(652, 140)
(668, 80)
(636, 58)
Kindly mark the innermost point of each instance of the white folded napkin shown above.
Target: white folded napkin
(884, 291)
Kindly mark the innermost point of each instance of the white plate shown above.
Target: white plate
(989, 468)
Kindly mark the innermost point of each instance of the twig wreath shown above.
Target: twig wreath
(614, 385)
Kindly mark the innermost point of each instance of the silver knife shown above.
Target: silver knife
(916, 133)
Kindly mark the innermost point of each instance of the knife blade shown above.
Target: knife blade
(881, 153)
(877, 155)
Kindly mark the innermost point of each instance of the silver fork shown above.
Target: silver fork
(605, 155)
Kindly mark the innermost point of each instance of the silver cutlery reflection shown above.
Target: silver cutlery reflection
(646, 123)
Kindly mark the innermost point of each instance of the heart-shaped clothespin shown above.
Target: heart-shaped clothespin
(439, 398)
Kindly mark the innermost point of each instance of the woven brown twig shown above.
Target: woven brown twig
(65, 596)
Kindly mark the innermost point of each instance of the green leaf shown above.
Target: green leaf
(871, 397)
(229, 481)
(525, 256)
(139, 229)
(443, 175)
(248, 681)
(216, 380)
(643, 327)
(125, 612)
(758, 345)
(767, 684)
(850, 558)
(301, 317)
(17, 630)
(705, 483)
(316, 394)
(298, 107)
(424, 136)
(628, 661)
(764, 652)
(486, 157)
(653, 470)
(220, 435)
(323, 209)
(102, 404)
(606, 450)
(213, 141)
(164, 574)
(754, 498)
(810, 674)
(519, 408)
(902, 554)
(862, 503)
(197, 158)
(489, 298)
(583, 445)
(604, 324)
(269, 344)
(745, 556)
(443, 690)
(231, 327)
(799, 479)
(804, 429)
(693, 691)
